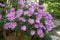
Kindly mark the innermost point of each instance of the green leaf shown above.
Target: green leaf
(47, 36)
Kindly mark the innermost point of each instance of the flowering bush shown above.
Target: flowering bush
(30, 18)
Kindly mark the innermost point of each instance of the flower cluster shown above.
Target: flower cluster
(11, 15)
(10, 25)
(30, 16)
(0, 16)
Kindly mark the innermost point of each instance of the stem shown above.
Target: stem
(4, 34)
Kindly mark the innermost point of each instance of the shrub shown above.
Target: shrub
(29, 19)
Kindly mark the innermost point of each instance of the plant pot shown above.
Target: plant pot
(13, 36)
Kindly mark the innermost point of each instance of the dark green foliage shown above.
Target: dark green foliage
(1, 36)
(14, 4)
(36, 37)
(47, 36)
(43, 21)
(53, 7)
(36, 10)
(25, 8)
(1, 10)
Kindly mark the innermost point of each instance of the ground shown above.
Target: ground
(56, 30)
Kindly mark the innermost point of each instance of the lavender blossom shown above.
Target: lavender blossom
(2, 5)
(22, 6)
(37, 20)
(49, 27)
(10, 17)
(35, 5)
(49, 22)
(32, 32)
(13, 24)
(40, 11)
(29, 15)
(20, 2)
(31, 9)
(24, 28)
(41, 25)
(48, 16)
(10, 25)
(39, 16)
(0, 16)
(12, 11)
(22, 19)
(6, 26)
(40, 33)
(36, 25)
(31, 21)
(26, 12)
(19, 13)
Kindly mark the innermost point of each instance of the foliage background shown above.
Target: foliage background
(53, 6)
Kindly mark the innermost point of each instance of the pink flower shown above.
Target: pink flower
(41, 25)
(24, 28)
(20, 2)
(32, 32)
(34, 4)
(13, 24)
(2, 5)
(31, 21)
(12, 11)
(0, 16)
(49, 22)
(40, 33)
(29, 15)
(39, 15)
(10, 25)
(6, 26)
(40, 11)
(48, 16)
(22, 19)
(10, 17)
(44, 28)
(19, 13)
(37, 20)
(22, 6)
(31, 9)
(36, 25)
(26, 12)
(49, 27)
